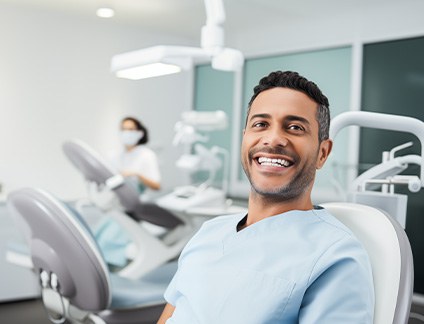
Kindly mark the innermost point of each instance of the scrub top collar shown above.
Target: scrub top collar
(242, 222)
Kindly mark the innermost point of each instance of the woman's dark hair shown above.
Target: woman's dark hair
(140, 127)
(293, 80)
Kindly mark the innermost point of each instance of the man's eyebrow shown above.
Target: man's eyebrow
(289, 118)
(266, 116)
(303, 120)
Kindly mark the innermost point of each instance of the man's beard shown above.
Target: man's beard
(297, 185)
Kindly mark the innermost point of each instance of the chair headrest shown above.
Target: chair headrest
(95, 169)
(60, 243)
(88, 161)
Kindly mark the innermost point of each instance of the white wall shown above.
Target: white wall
(348, 22)
(55, 85)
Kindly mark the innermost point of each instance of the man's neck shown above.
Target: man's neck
(261, 207)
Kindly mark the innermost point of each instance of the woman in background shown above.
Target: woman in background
(135, 160)
(139, 165)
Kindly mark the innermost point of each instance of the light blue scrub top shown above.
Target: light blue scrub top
(297, 267)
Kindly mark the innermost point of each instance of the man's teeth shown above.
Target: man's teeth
(273, 162)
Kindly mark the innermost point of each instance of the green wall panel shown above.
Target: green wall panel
(214, 91)
(393, 82)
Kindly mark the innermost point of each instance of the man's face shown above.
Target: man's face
(280, 150)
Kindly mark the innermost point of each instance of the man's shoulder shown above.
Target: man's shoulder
(337, 236)
(331, 222)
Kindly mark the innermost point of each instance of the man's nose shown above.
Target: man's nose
(275, 137)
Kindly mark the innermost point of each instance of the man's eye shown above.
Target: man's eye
(296, 127)
(259, 124)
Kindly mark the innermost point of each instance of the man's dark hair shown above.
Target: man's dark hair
(139, 127)
(293, 80)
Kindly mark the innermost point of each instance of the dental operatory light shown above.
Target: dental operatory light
(164, 59)
(148, 71)
(105, 12)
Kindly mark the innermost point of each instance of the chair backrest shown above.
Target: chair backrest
(62, 246)
(390, 255)
(95, 169)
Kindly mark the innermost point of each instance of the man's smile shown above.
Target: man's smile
(265, 161)
(273, 159)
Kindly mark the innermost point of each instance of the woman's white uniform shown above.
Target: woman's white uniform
(141, 160)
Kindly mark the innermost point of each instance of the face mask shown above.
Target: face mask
(131, 137)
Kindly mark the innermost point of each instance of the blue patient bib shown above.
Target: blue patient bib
(112, 240)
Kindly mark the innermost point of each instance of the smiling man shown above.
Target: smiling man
(286, 261)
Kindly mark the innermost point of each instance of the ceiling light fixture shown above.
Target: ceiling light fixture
(164, 59)
(105, 12)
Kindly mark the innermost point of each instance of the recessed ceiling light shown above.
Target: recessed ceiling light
(105, 12)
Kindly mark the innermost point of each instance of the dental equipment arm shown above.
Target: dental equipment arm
(385, 174)
(200, 158)
(381, 121)
(191, 121)
(203, 158)
(389, 169)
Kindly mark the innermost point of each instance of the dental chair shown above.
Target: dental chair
(150, 250)
(390, 254)
(76, 285)
(386, 174)
(75, 282)
(172, 227)
(366, 213)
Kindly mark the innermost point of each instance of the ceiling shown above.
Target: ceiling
(185, 17)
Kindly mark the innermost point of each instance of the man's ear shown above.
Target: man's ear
(324, 151)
